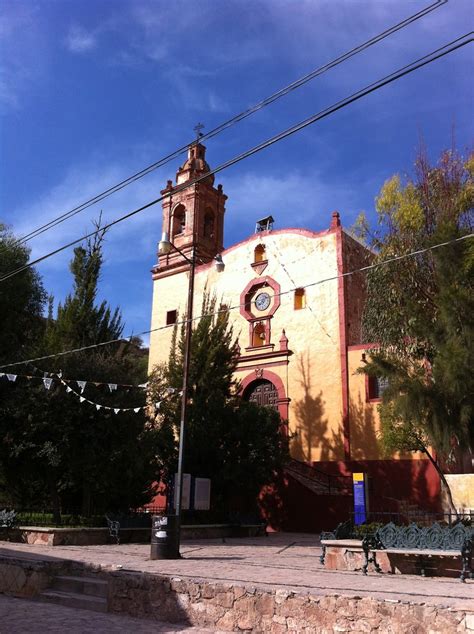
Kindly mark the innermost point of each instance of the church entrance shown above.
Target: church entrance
(262, 392)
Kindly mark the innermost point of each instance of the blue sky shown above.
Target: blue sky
(91, 92)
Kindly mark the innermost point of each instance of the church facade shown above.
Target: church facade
(297, 314)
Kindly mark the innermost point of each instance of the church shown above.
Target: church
(297, 313)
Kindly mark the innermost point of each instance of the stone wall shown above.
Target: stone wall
(230, 607)
(235, 608)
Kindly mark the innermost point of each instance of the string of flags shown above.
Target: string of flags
(49, 378)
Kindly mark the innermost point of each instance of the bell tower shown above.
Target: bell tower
(193, 216)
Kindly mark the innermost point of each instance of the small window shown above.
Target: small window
(377, 386)
(171, 317)
(300, 299)
(258, 335)
(259, 253)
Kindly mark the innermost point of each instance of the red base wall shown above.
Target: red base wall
(414, 482)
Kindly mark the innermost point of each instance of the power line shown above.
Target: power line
(230, 122)
(405, 70)
(332, 278)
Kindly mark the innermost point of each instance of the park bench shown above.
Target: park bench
(117, 523)
(344, 530)
(425, 543)
(114, 528)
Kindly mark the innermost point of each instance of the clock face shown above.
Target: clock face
(262, 301)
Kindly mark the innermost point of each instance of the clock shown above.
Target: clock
(262, 301)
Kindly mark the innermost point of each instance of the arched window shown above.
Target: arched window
(262, 392)
(259, 255)
(179, 220)
(258, 338)
(208, 229)
(300, 299)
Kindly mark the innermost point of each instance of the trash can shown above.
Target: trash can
(164, 537)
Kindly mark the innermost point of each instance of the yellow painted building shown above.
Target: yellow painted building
(297, 316)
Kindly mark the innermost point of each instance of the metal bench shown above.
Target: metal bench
(344, 530)
(423, 542)
(114, 528)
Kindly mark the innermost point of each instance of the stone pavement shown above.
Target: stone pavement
(286, 561)
(31, 617)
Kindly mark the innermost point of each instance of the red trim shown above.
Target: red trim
(258, 236)
(251, 287)
(283, 400)
(343, 343)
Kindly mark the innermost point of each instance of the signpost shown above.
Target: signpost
(361, 507)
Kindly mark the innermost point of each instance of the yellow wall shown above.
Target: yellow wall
(364, 418)
(312, 379)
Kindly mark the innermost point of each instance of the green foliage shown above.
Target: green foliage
(64, 454)
(22, 298)
(419, 309)
(237, 444)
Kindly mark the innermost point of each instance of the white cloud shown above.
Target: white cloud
(294, 199)
(217, 104)
(79, 40)
(25, 57)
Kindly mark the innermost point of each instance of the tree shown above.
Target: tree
(22, 299)
(419, 309)
(238, 445)
(59, 450)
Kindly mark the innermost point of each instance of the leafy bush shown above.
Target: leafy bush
(8, 519)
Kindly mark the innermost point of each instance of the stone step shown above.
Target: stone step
(80, 585)
(74, 600)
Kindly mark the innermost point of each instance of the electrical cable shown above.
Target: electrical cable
(405, 70)
(363, 269)
(235, 119)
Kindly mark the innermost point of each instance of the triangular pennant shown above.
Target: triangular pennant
(158, 405)
(47, 382)
(112, 386)
(143, 385)
(2, 373)
(97, 384)
(116, 410)
(98, 406)
(82, 399)
(68, 389)
(60, 373)
(137, 409)
(82, 385)
(11, 377)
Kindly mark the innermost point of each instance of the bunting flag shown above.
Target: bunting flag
(48, 381)
(82, 384)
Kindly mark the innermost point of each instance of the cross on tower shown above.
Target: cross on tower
(197, 129)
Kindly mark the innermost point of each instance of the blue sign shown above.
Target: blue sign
(359, 483)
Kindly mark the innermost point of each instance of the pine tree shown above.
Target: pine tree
(238, 445)
(65, 453)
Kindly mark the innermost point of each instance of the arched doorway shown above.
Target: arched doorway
(262, 392)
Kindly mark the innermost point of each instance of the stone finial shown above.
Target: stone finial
(335, 220)
(283, 341)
